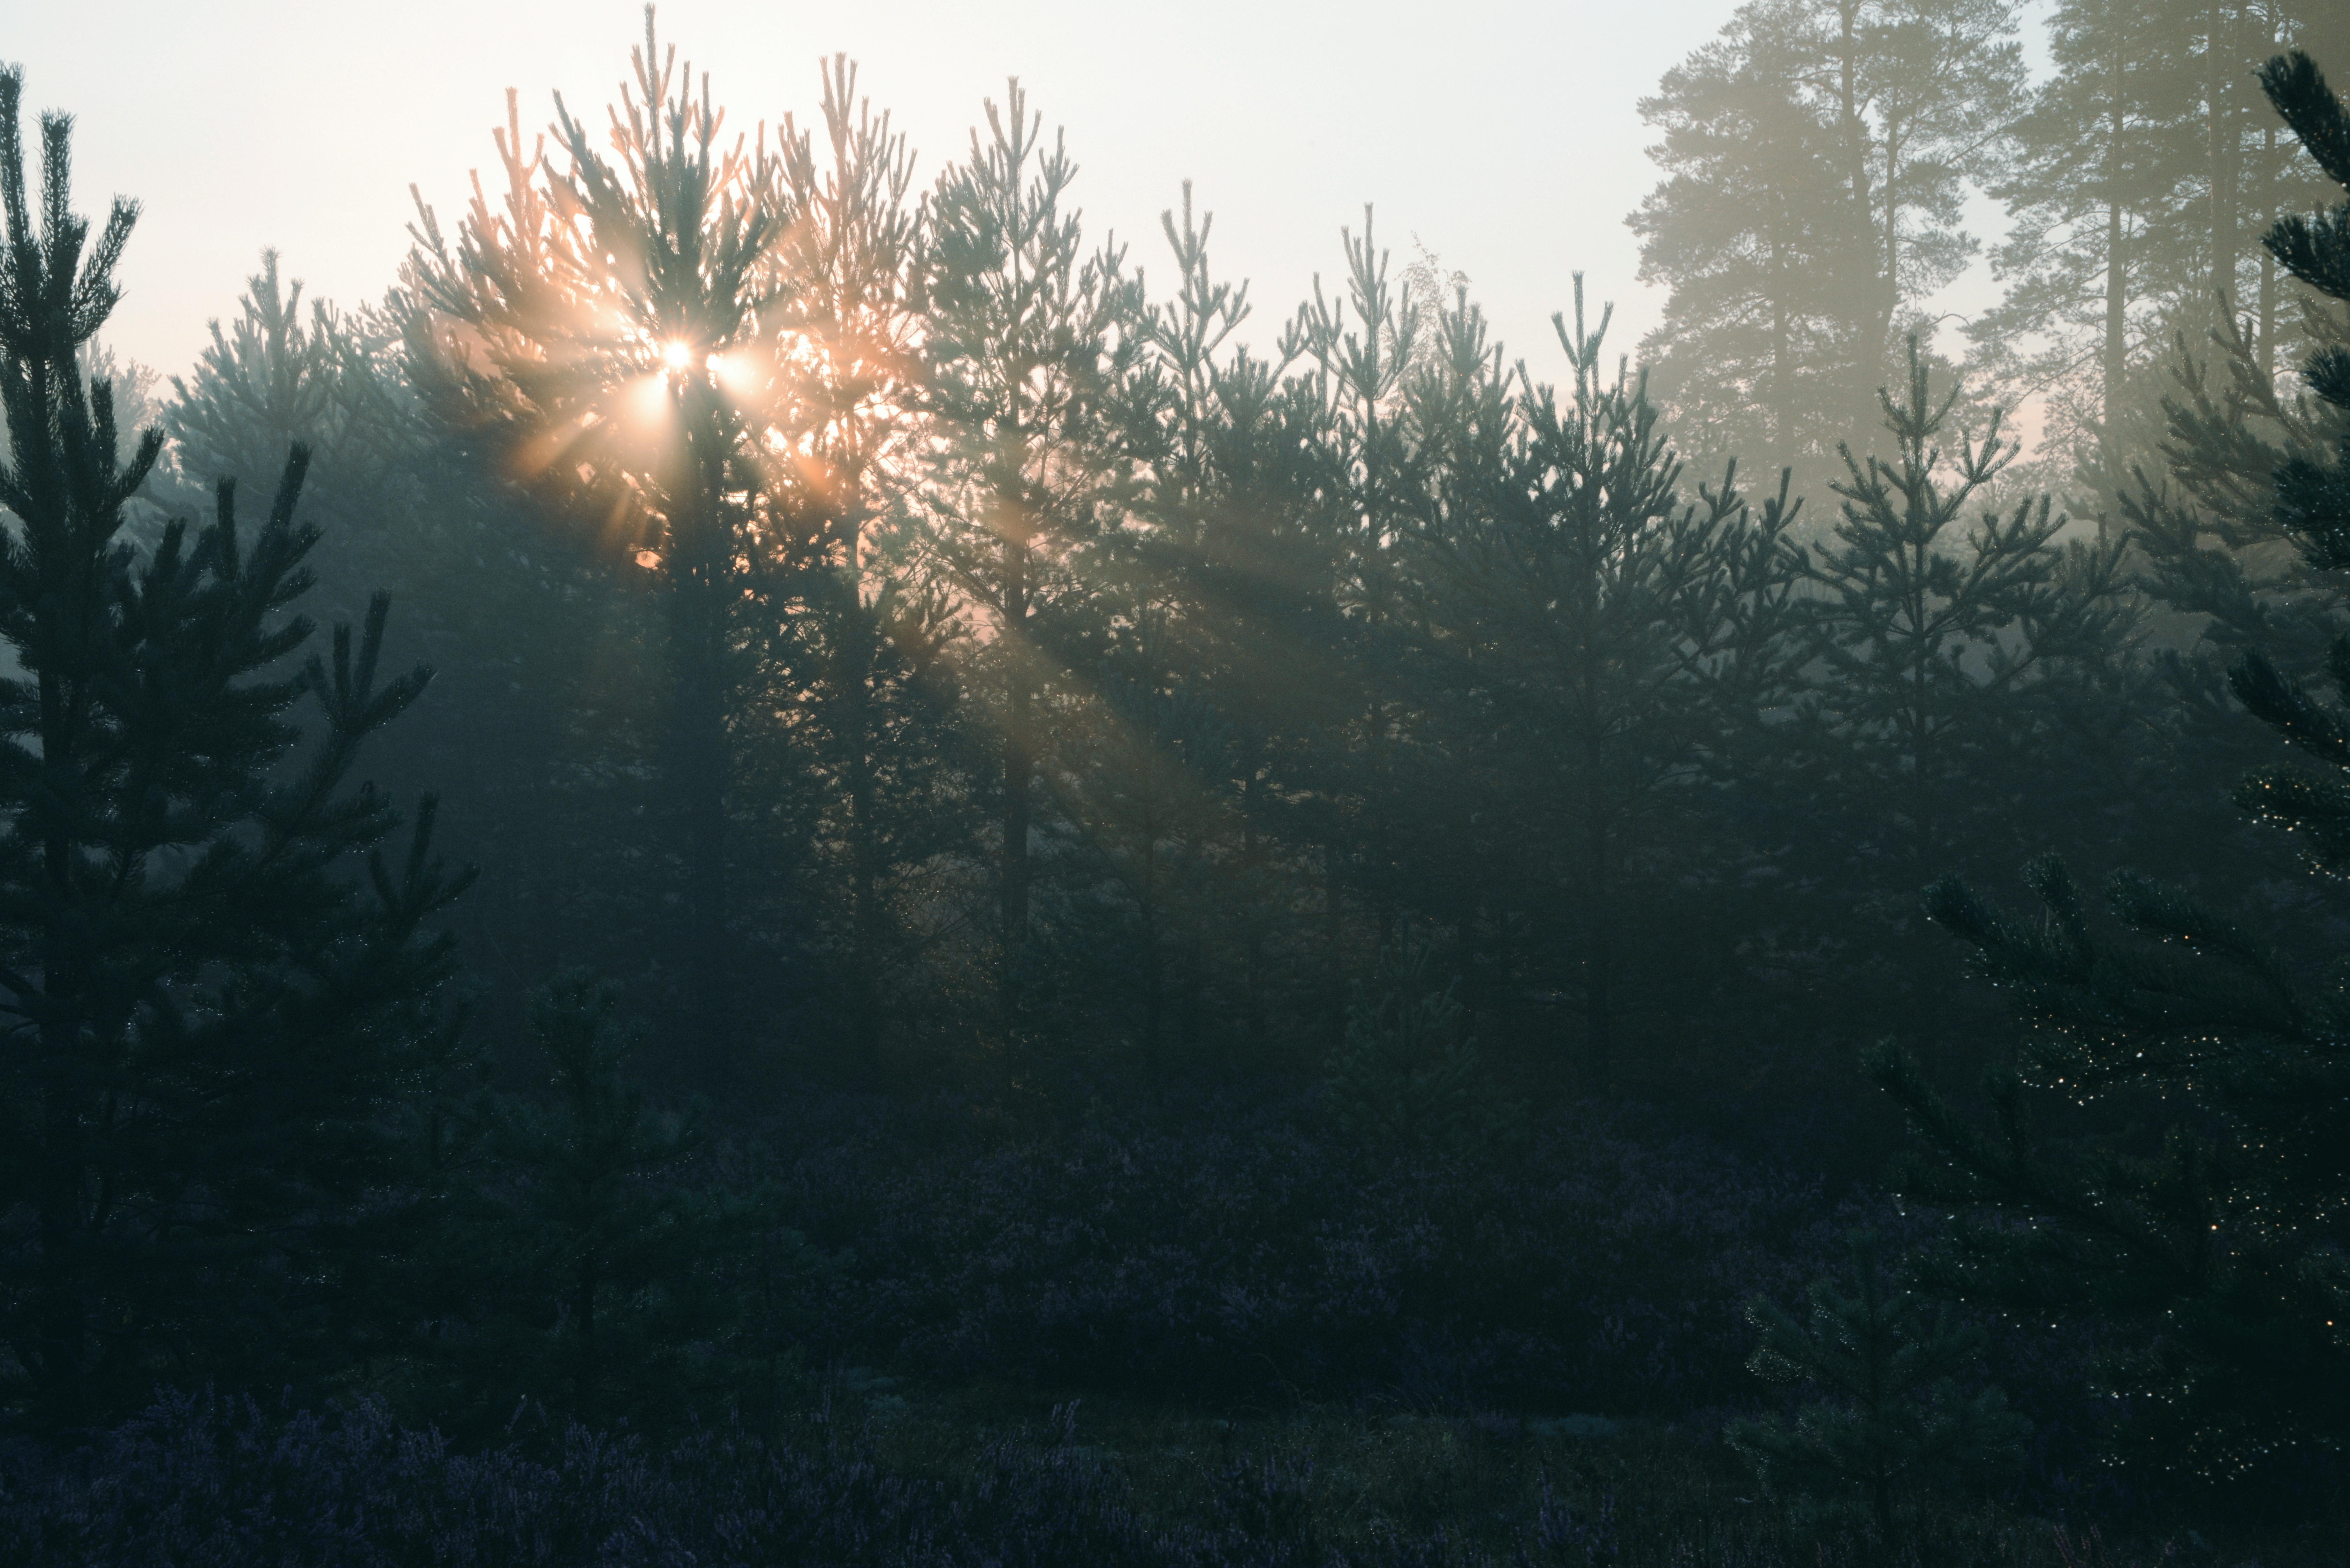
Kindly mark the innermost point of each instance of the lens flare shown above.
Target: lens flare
(677, 354)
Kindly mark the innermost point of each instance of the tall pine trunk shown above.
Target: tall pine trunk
(699, 612)
(2115, 346)
(865, 914)
(1019, 773)
(1599, 946)
(2223, 154)
(859, 655)
(64, 1179)
(1333, 1026)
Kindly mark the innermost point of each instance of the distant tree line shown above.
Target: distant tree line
(1817, 161)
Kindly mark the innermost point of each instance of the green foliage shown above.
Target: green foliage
(219, 981)
(594, 334)
(2138, 181)
(2220, 1251)
(1611, 643)
(1027, 350)
(1815, 158)
(1408, 1074)
(1893, 1420)
(627, 1286)
(1953, 651)
(2312, 498)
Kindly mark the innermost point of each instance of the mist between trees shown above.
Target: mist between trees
(870, 645)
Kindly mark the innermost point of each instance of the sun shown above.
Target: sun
(677, 354)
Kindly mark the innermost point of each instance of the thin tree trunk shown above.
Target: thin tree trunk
(2268, 297)
(857, 656)
(1252, 954)
(865, 915)
(700, 770)
(2116, 268)
(1599, 947)
(1019, 775)
(701, 545)
(2222, 153)
(1153, 987)
(62, 1330)
(1189, 1011)
(1333, 950)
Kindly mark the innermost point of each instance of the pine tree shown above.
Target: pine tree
(630, 1289)
(1950, 647)
(605, 332)
(1145, 779)
(2089, 177)
(544, 721)
(858, 628)
(1028, 342)
(1238, 551)
(1892, 1418)
(2218, 1255)
(1592, 632)
(1364, 347)
(2138, 180)
(212, 1009)
(1408, 1075)
(274, 377)
(1816, 161)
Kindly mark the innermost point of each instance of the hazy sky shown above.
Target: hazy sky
(1504, 135)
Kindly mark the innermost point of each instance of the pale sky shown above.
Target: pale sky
(1503, 133)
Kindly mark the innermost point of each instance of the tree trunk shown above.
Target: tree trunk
(701, 567)
(2268, 297)
(62, 1330)
(1599, 947)
(857, 651)
(1019, 775)
(865, 914)
(2116, 268)
(1252, 954)
(2223, 152)
(1334, 950)
(1865, 346)
(698, 769)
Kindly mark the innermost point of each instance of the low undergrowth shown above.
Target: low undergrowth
(996, 1475)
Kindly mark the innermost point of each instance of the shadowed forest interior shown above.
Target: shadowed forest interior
(792, 863)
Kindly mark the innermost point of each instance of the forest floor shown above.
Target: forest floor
(1581, 1490)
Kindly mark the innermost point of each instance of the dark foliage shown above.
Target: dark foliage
(2218, 1243)
(219, 976)
(1240, 1253)
(1337, 878)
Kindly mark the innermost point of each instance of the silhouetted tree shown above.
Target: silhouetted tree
(1951, 646)
(858, 632)
(597, 329)
(216, 984)
(1817, 160)
(1892, 1417)
(2138, 179)
(1595, 635)
(1027, 340)
(2219, 1254)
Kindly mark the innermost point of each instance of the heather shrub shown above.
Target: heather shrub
(209, 1481)
(1232, 1252)
(1408, 1074)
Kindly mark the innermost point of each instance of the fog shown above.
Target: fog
(856, 855)
(1503, 136)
